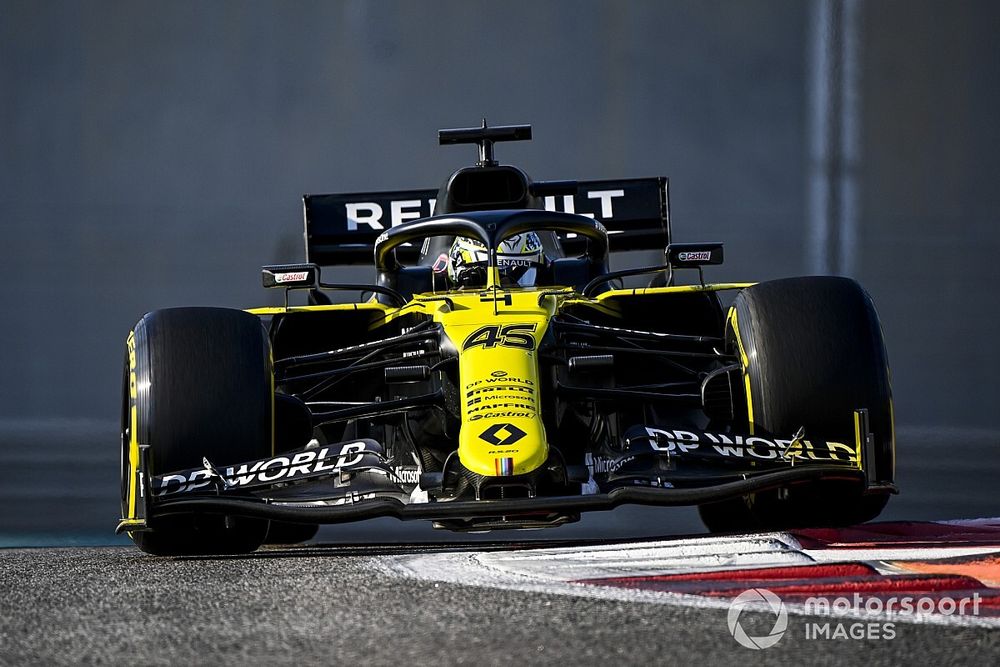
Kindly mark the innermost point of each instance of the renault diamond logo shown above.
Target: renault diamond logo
(501, 435)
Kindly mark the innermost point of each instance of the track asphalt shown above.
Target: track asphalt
(339, 605)
(346, 601)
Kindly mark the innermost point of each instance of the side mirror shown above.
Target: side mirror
(290, 276)
(692, 256)
(307, 276)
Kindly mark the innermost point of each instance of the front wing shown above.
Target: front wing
(354, 480)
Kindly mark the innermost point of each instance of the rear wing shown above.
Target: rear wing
(342, 228)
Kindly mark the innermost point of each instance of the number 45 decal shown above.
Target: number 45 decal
(509, 335)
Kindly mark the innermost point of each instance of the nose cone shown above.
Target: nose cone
(503, 446)
(502, 432)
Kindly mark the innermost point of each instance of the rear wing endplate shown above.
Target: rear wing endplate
(342, 228)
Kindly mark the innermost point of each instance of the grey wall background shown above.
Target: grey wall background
(153, 154)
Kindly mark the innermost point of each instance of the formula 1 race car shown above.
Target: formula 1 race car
(500, 375)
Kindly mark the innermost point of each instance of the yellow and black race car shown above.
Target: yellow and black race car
(501, 376)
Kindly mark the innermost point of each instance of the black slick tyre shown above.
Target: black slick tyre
(812, 353)
(200, 387)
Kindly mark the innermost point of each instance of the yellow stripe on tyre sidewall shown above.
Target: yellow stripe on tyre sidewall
(745, 360)
(133, 445)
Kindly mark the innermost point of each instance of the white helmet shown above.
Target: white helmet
(518, 260)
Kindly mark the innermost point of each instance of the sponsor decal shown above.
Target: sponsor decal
(501, 403)
(502, 435)
(291, 277)
(510, 335)
(508, 389)
(501, 379)
(508, 262)
(601, 464)
(371, 213)
(606, 198)
(286, 468)
(741, 446)
(407, 474)
(132, 385)
(695, 256)
(507, 405)
(508, 414)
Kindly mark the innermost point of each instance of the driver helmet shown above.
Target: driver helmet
(518, 260)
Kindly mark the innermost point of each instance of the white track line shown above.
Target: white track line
(895, 553)
(553, 571)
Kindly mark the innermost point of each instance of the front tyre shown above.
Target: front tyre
(197, 384)
(812, 353)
